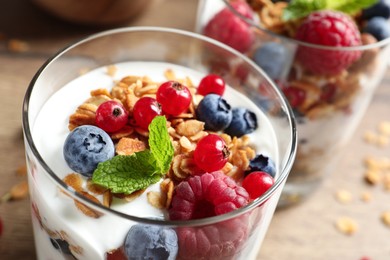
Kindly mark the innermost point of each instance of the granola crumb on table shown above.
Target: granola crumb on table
(376, 174)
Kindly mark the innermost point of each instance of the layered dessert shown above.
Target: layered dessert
(327, 57)
(155, 141)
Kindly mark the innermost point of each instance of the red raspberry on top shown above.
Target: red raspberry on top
(329, 28)
(230, 29)
(207, 195)
(218, 241)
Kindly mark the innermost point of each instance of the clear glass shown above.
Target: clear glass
(333, 104)
(240, 232)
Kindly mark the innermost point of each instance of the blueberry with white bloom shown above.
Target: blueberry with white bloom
(271, 57)
(151, 242)
(85, 147)
(215, 112)
(379, 27)
(381, 8)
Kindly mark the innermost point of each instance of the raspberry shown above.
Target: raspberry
(230, 29)
(207, 195)
(329, 28)
(222, 240)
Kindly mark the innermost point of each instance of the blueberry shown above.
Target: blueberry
(271, 57)
(262, 163)
(244, 122)
(215, 112)
(151, 242)
(379, 27)
(61, 245)
(85, 147)
(381, 8)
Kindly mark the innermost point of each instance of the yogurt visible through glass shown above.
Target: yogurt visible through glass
(56, 217)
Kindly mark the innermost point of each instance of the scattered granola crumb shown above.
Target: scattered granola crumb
(384, 128)
(381, 137)
(377, 171)
(17, 192)
(346, 225)
(15, 45)
(383, 140)
(386, 181)
(370, 137)
(377, 168)
(386, 218)
(344, 196)
(22, 170)
(372, 177)
(366, 196)
(111, 70)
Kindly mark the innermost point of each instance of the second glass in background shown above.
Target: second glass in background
(328, 106)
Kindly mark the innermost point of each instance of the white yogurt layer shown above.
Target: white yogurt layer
(49, 133)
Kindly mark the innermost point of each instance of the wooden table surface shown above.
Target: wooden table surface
(305, 231)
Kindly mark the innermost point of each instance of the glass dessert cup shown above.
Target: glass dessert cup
(61, 229)
(328, 106)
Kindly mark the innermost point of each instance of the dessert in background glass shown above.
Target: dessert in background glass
(327, 63)
(74, 217)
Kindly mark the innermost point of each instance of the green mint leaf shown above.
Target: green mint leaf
(160, 143)
(127, 173)
(350, 6)
(300, 8)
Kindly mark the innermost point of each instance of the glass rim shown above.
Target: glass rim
(284, 171)
(377, 44)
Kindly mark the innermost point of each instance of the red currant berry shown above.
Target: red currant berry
(174, 97)
(211, 153)
(145, 109)
(111, 116)
(257, 183)
(211, 84)
(295, 96)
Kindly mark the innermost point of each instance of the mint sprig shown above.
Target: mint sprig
(300, 8)
(129, 173)
(160, 143)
